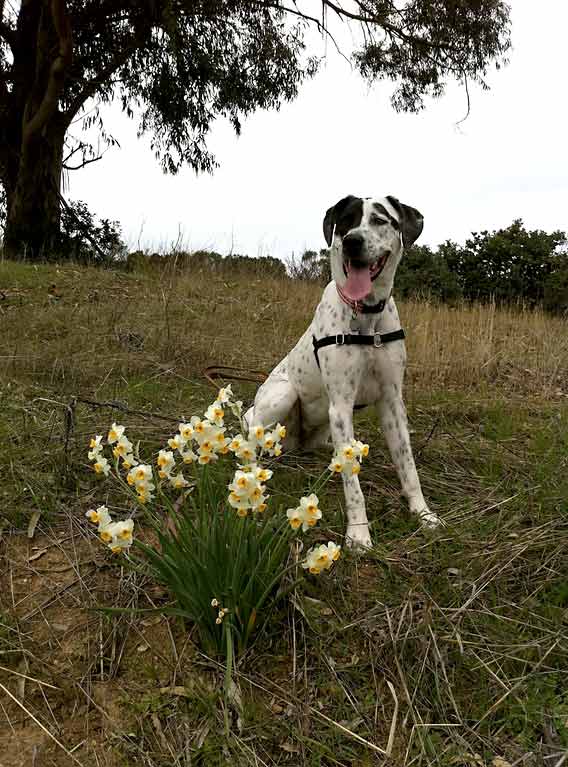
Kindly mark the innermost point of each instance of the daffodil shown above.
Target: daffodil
(186, 431)
(141, 473)
(310, 510)
(336, 466)
(295, 517)
(177, 442)
(224, 395)
(188, 456)
(96, 448)
(123, 447)
(321, 557)
(207, 458)
(129, 461)
(166, 462)
(100, 516)
(236, 443)
(263, 475)
(101, 466)
(215, 413)
(178, 482)
(115, 433)
(257, 433)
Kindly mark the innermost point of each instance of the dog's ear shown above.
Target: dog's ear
(331, 217)
(411, 221)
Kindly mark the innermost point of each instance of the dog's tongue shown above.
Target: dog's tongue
(358, 284)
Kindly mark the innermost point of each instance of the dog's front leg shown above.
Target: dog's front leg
(392, 413)
(341, 423)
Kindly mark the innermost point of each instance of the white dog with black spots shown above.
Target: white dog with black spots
(314, 391)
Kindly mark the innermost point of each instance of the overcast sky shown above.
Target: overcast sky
(507, 160)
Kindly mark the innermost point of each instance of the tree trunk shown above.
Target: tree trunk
(32, 129)
(33, 207)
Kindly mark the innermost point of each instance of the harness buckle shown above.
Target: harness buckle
(340, 339)
(377, 342)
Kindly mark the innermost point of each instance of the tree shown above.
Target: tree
(505, 265)
(179, 64)
(422, 272)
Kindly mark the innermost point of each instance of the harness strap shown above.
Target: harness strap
(342, 339)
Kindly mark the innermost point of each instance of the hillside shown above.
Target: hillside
(468, 625)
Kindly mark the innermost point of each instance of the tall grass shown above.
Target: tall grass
(79, 325)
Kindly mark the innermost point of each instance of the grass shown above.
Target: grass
(468, 626)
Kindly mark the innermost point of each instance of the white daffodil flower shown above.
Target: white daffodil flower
(215, 413)
(129, 461)
(122, 448)
(166, 462)
(310, 510)
(115, 433)
(263, 475)
(177, 442)
(178, 482)
(188, 456)
(100, 516)
(101, 466)
(295, 517)
(96, 448)
(186, 431)
(225, 394)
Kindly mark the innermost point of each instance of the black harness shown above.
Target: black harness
(341, 339)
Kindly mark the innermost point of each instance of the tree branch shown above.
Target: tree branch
(91, 87)
(84, 163)
(57, 71)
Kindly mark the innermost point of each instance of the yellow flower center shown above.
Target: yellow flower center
(106, 537)
(242, 512)
(98, 468)
(125, 535)
(295, 523)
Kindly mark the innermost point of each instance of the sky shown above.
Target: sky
(508, 160)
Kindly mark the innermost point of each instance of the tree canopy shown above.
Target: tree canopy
(176, 65)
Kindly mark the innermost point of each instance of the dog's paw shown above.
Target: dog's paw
(428, 519)
(358, 537)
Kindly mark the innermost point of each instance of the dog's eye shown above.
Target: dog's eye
(376, 221)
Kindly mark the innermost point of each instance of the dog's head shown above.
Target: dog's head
(370, 234)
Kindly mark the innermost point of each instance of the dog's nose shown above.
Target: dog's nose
(353, 245)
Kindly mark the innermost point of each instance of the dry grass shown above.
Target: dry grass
(77, 327)
(459, 639)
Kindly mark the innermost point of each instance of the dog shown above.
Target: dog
(353, 353)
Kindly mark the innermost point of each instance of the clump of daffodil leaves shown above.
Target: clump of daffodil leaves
(224, 557)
